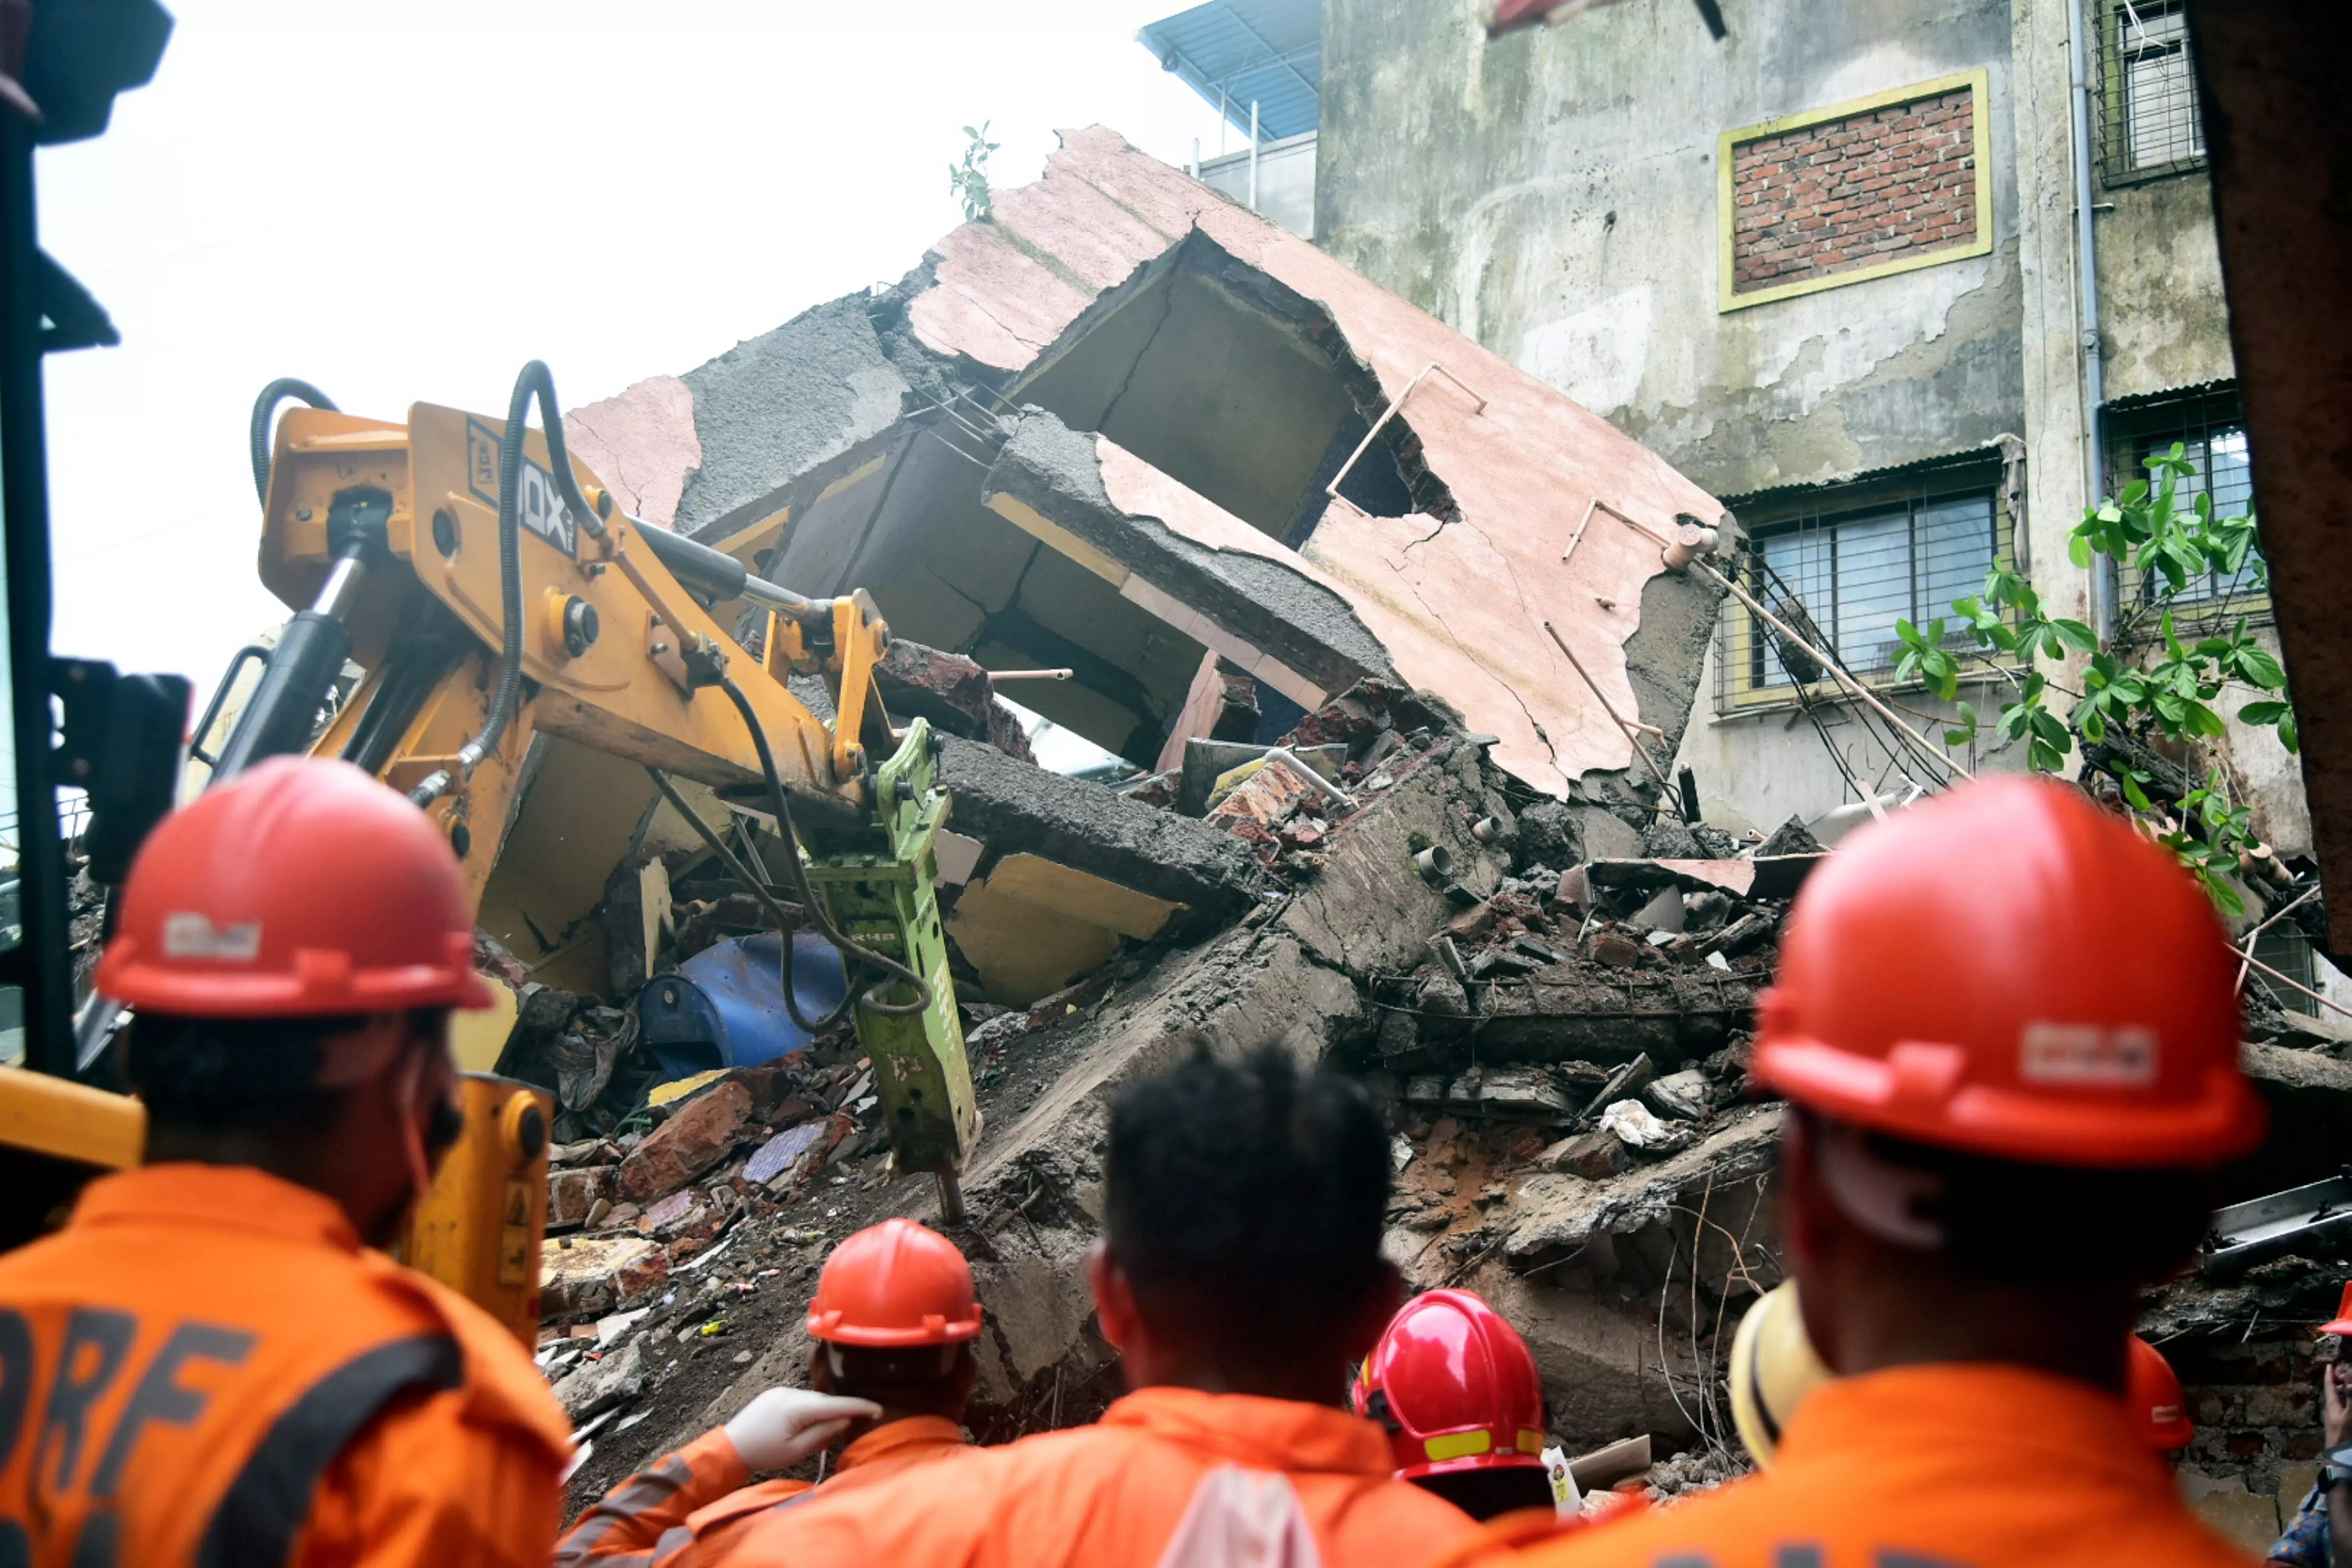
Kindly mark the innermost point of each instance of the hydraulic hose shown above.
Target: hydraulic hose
(890, 967)
(535, 385)
(785, 925)
(264, 409)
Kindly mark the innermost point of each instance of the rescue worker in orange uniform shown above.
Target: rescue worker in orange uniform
(1239, 1276)
(892, 1328)
(2153, 1392)
(208, 1364)
(1774, 1367)
(1456, 1390)
(2007, 1029)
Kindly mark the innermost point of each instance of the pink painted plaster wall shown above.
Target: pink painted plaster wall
(1460, 606)
(642, 444)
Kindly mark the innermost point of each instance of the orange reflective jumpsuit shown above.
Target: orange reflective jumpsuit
(1928, 1466)
(205, 1366)
(1113, 1494)
(691, 1508)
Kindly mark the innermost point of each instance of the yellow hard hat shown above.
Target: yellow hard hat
(1773, 1367)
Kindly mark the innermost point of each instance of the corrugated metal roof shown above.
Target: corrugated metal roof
(1235, 52)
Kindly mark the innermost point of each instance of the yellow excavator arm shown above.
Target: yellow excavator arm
(492, 589)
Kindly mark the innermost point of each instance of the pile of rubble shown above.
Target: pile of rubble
(1308, 591)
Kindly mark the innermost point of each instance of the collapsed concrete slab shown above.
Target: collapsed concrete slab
(1288, 467)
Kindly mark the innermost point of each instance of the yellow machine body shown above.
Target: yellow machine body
(56, 1137)
(477, 1229)
(429, 613)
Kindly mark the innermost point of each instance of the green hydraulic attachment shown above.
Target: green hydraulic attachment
(880, 888)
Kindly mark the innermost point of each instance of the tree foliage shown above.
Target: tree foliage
(2165, 674)
(968, 181)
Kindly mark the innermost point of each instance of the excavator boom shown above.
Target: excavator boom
(492, 592)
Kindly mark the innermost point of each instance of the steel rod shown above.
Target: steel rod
(1830, 663)
(1631, 737)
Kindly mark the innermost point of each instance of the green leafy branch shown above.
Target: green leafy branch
(2171, 689)
(968, 181)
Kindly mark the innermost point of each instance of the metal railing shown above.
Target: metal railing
(2145, 94)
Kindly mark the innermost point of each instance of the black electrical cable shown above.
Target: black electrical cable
(785, 925)
(890, 967)
(264, 409)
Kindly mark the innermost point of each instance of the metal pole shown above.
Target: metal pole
(38, 960)
(2086, 269)
(1253, 205)
(1196, 157)
(1224, 118)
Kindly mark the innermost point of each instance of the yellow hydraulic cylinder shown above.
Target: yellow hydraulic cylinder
(477, 1229)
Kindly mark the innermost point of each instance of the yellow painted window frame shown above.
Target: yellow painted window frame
(1978, 82)
(1744, 693)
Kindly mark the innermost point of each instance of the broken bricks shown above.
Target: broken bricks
(701, 1134)
(582, 1275)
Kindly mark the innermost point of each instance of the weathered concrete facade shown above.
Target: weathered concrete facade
(1560, 195)
(1554, 195)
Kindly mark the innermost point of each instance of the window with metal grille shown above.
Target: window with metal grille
(2210, 431)
(2289, 952)
(1842, 567)
(2146, 95)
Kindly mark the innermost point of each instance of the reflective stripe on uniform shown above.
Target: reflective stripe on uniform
(268, 1503)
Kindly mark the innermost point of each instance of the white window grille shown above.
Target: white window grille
(1845, 574)
(2149, 121)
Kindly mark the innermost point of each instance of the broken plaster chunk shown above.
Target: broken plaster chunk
(1627, 1080)
(602, 1385)
(1636, 1127)
(1427, 1089)
(1616, 949)
(690, 1142)
(1596, 1156)
(598, 1274)
(1682, 1096)
(1661, 913)
(574, 1193)
(1519, 1092)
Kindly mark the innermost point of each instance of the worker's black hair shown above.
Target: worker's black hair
(1243, 1201)
(2010, 1222)
(928, 1379)
(1490, 1494)
(219, 1075)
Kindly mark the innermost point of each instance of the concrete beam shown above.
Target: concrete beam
(1185, 559)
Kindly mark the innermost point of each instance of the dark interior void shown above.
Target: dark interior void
(947, 572)
(1221, 395)
(1228, 397)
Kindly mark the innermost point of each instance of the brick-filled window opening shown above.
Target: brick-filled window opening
(1845, 569)
(2147, 97)
(2212, 433)
(1880, 185)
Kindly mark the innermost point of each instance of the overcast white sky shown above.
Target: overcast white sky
(402, 202)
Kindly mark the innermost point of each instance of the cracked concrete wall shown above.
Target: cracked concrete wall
(642, 444)
(2161, 310)
(1554, 195)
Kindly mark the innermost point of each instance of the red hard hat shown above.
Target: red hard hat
(2008, 970)
(895, 1284)
(299, 888)
(2157, 1404)
(2343, 1320)
(1456, 1387)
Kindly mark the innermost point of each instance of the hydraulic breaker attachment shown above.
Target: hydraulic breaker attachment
(880, 890)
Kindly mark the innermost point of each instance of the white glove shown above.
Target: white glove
(784, 1426)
